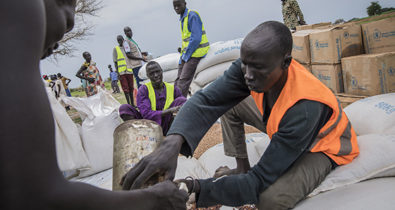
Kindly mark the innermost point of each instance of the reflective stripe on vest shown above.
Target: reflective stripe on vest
(336, 138)
(169, 95)
(204, 45)
(121, 62)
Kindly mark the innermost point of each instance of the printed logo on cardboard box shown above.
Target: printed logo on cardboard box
(391, 71)
(319, 45)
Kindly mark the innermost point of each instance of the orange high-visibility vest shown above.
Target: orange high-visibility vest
(337, 138)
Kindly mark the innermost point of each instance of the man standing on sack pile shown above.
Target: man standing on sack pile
(156, 100)
(310, 134)
(124, 69)
(195, 45)
(133, 53)
(292, 14)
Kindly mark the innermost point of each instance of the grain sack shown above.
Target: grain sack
(220, 52)
(215, 157)
(373, 115)
(69, 151)
(170, 76)
(212, 73)
(190, 167)
(194, 88)
(376, 159)
(167, 62)
(100, 118)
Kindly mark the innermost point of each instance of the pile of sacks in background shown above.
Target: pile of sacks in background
(218, 59)
(87, 149)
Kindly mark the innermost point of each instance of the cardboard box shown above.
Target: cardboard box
(307, 66)
(347, 99)
(301, 46)
(330, 75)
(379, 36)
(328, 46)
(370, 74)
(312, 26)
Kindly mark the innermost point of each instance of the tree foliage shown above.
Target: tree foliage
(82, 27)
(374, 8)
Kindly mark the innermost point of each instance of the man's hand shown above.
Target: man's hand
(171, 110)
(163, 161)
(192, 184)
(167, 196)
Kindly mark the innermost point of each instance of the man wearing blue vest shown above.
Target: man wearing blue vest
(156, 100)
(195, 45)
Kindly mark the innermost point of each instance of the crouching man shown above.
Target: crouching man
(156, 100)
(310, 134)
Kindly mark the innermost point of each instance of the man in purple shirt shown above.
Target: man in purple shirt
(156, 100)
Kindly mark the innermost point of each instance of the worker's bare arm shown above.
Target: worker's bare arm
(79, 74)
(30, 175)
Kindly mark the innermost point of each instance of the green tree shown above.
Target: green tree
(374, 8)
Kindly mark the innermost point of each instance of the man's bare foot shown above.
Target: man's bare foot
(225, 170)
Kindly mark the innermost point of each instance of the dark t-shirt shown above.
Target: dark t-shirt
(297, 130)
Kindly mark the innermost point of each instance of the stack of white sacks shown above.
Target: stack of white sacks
(218, 59)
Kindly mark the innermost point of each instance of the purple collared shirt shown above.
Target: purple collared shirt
(144, 105)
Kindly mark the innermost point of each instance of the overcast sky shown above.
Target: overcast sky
(156, 26)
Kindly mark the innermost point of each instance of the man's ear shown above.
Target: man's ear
(287, 61)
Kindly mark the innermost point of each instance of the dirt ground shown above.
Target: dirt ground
(214, 137)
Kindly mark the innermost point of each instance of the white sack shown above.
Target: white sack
(376, 159)
(215, 157)
(100, 118)
(170, 76)
(212, 73)
(69, 151)
(190, 167)
(374, 114)
(194, 88)
(167, 62)
(220, 52)
(368, 195)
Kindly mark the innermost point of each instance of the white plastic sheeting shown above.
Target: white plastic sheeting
(69, 151)
(374, 114)
(100, 118)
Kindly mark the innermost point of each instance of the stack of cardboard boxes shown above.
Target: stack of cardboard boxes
(373, 73)
(334, 55)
